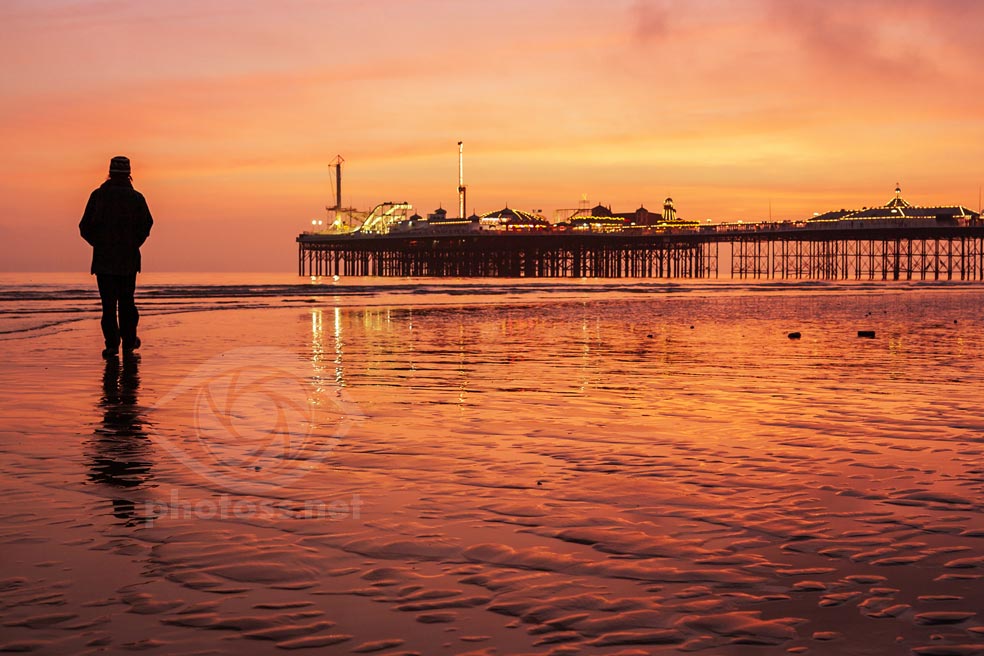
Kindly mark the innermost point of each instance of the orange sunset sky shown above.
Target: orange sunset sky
(232, 110)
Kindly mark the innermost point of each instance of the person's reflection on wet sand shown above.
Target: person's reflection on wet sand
(120, 448)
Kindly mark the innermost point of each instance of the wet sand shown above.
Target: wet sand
(524, 476)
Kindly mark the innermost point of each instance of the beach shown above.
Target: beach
(494, 467)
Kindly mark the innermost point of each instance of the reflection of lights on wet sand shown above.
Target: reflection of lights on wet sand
(339, 373)
(462, 370)
(318, 345)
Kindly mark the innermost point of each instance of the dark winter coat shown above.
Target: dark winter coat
(116, 223)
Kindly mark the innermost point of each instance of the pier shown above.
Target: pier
(759, 251)
(942, 253)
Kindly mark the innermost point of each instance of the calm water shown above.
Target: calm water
(490, 467)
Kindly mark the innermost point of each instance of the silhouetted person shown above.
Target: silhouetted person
(120, 447)
(116, 223)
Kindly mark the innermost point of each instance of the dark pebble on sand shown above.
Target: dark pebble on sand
(870, 334)
(794, 335)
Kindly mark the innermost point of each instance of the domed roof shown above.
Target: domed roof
(507, 215)
(898, 201)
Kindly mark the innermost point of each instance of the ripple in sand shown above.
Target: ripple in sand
(943, 617)
(653, 637)
(950, 650)
(377, 645)
(436, 618)
(282, 633)
(23, 646)
(42, 621)
(746, 625)
(313, 642)
(210, 564)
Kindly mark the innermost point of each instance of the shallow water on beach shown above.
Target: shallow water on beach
(497, 468)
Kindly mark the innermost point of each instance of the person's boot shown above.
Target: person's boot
(132, 347)
(110, 353)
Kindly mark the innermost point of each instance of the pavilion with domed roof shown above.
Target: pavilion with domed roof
(897, 212)
(510, 219)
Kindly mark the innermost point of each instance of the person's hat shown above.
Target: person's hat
(119, 164)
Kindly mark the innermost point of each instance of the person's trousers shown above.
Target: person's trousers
(116, 293)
